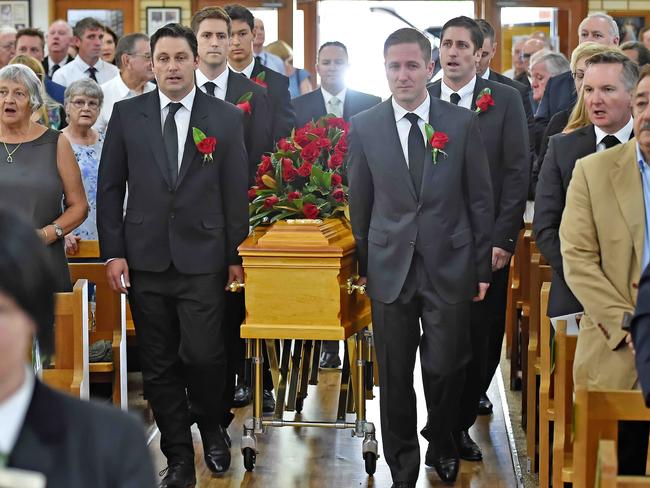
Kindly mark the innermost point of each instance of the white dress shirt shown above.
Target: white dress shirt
(622, 135)
(486, 75)
(13, 411)
(271, 61)
(247, 71)
(220, 81)
(466, 93)
(51, 63)
(327, 96)
(404, 125)
(77, 69)
(182, 118)
(114, 91)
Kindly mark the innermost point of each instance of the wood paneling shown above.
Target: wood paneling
(60, 9)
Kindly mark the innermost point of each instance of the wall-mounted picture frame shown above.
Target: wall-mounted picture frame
(630, 22)
(15, 13)
(160, 16)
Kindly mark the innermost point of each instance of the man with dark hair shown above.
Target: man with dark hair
(59, 36)
(32, 42)
(176, 248)
(241, 60)
(504, 133)
(422, 220)
(133, 59)
(637, 52)
(88, 37)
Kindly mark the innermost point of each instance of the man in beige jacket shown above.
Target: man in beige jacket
(605, 247)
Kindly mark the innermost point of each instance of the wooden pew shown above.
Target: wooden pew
(70, 363)
(565, 348)
(546, 406)
(607, 470)
(597, 414)
(513, 295)
(522, 313)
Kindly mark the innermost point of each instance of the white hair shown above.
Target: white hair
(23, 75)
(613, 26)
(556, 63)
(7, 29)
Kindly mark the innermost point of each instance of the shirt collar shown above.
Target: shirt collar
(84, 66)
(622, 135)
(221, 81)
(422, 110)
(13, 411)
(248, 70)
(64, 61)
(327, 96)
(187, 101)
(463, 92)
(486, 75)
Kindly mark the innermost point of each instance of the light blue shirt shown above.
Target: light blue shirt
(645, 183)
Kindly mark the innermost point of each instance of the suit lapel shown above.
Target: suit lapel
(435, 90)
(197, 119)
(234, 87)
(629, 193)
(394, 154)
(478, 87)
(153, 130)
(429, 167)
(320, 109)
(348, 105)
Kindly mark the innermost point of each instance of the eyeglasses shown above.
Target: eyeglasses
(91, 104)
(145, 56)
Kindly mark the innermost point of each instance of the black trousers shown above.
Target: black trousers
(444, 351)
(487, 326)
(632, 447)
(178, 321)
(330, 346)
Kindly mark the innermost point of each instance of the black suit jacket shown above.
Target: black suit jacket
(46, 64)
(77, 444)
(257, 125)
(550, 198)
(559, 94)
(555, 126)
(641, 334)
(505, 137)
(311, 106)
(198, 225)
(281, 107)
(448, 223)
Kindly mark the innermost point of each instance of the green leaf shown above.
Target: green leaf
(428, 131)
(197, 135)
(282, 215)
(326, 180)
(245, 97)
(260, 216)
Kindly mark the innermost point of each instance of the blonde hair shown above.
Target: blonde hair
(579, 117)
(587, 50)
(280, 49)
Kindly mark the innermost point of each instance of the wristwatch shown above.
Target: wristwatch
(58, 230)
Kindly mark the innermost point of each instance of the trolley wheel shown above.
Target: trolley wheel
(300, 401)
(371, 462)
(249, 458)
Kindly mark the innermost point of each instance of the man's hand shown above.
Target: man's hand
(362, 281)
(628, 341)
(482, 290)
(235, 273)
(117, 273)
(71, 247)
(500, 257)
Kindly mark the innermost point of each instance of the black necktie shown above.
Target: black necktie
(610, 141)
(416, 151)
(454, 98)
(54, 68)
(92, 70)
(209, 88)
(259, 58)
(170, 137)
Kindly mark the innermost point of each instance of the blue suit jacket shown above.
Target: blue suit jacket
(560, 94)
(54, 90)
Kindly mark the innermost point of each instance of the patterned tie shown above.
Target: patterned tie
(416, 151)
(209, 88)
(454, 98)
(92, 70)
(170, 137)
(335, 107)
(610, 141)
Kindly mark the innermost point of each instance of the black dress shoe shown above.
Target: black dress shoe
(484, 405)
(216, 452)
(179, 474)
(268, 402)
(243, 396)
(445, 461)
(467, 448)
(329, 360)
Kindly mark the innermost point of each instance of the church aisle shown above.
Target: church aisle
(303, 457)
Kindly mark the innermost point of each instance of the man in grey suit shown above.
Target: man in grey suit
(422, 219)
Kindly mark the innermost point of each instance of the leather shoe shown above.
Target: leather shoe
(403, 484)
(329, 360)
(243, 396)
(216, 452)
(444, 459)
(484, 405)
(467, 448)
(268, 402)
(179, 474)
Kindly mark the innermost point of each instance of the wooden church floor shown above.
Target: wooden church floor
(316, 457)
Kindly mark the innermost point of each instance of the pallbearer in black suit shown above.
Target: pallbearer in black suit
(176, 248)
(421, 212)
(241, 59)
(502, 121)
(332, 97)
(211, 26)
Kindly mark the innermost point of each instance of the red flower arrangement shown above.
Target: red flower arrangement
(304, 177)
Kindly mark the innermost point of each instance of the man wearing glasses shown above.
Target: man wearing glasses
(133, 58)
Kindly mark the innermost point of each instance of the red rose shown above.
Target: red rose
(319, 131)
(252, 194)
(305, 170)
(337, 122)
(342, 145)
(338, 195)
(439, 140)
(246, 107)
(293, 195)
(336, 160)
(286, 145)
(301, 137)
(336, 179)
(259, 183)
(207, 145)
(323, 142)
(260, 81)
(484, 102)
(265, 165)
(310, 210)
(288, 171)
(310, 152)
(270, 201)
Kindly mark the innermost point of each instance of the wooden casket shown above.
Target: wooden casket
(297, 275)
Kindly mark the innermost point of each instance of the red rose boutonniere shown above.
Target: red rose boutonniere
(438, 140)
(205, 145)
(484, 100)
(244, 103)
(260, 79)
